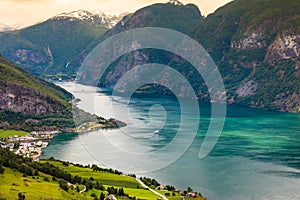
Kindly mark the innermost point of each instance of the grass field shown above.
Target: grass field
(141, 194)
(42, 186)
(8, 133)
(129, 184)
(103, 177)
(12, 183)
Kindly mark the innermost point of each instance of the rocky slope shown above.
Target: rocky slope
(256, 45)
(28, 102)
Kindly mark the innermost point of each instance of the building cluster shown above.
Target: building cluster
(30, 145)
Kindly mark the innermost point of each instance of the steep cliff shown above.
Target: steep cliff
(28, 102)
(256, 45)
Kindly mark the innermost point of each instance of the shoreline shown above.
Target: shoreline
(32, 144)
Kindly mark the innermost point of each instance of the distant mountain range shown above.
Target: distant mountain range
(95, 18)
(48, 47)
(255, 44)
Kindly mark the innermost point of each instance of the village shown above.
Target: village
(30, 145)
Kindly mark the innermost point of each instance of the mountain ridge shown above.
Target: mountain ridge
(95, 18)
(49, 46)
(256, 45)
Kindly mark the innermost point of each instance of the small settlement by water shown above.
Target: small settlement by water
(30, 145)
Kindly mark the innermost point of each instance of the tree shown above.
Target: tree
(112, 190)
(21, 196)
(121, 192)
(1, 170)
(63, 185)
(102, 196)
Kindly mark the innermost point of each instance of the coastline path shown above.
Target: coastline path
(153, 191)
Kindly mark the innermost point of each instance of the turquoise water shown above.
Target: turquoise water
(256, 157)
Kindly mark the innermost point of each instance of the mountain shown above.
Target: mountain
(172, 15)
(95, 18)
(256, 45)
(28, 102)
(48, 47)
(56, 47)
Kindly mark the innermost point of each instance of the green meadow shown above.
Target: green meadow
(104, 178)
(12, 183)
(8, 133)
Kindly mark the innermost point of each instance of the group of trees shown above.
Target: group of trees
(170, 187)
(95, 168)
(19, 121)
(150, 182)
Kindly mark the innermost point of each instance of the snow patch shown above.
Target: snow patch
(92, 17)
(176, 2)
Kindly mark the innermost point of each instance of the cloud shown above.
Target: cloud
(26, 12)
(25, 1)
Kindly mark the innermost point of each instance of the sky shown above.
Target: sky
(20, 13)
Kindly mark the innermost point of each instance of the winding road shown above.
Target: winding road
(84, 189)
(153, 191)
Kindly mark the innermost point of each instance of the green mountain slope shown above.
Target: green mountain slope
(28, 102)
(256, 45)
(48, 47)
(182, 18)
(175, 16)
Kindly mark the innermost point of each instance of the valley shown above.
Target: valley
(76, 124)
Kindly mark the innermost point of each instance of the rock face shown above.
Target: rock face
(247, 89)
(285, 46)
(17, 98)
(253, 41)
(256, 45)
(30, 103)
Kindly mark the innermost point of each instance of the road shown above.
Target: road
(153, 191)
(84, 189)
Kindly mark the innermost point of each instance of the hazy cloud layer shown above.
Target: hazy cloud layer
(26, 12)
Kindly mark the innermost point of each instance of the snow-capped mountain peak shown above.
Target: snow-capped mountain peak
(93, 18)
(176, 2)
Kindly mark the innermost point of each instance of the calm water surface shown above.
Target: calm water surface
(257, 156)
